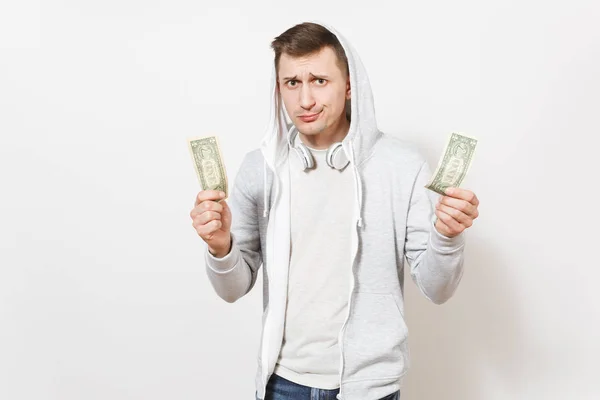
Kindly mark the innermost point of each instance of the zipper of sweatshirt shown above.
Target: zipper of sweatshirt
(269, 246)
(339, 396)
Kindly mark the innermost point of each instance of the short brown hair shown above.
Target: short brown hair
(305, 39)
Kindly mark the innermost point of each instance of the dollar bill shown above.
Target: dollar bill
(454, 164)
(208, 163)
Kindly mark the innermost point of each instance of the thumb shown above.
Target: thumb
(226, 214)
(226, 208)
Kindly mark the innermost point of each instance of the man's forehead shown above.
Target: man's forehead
(323, 62)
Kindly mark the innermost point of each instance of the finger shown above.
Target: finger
(452, 224)
(206, 217)
(213, 195)
(207, 205)
(462, 205)
(444, 226)
(206, 231)
(458, 215)
(462, 194)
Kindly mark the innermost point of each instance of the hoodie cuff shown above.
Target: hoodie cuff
(224, 264)
(445, 244)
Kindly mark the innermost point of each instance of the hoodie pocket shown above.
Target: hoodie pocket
(375, 341)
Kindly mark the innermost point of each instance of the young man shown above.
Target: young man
(330, 206)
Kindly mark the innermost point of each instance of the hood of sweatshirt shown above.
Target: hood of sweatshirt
(363, 132)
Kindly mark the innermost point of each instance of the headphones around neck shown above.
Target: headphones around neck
(335, 157)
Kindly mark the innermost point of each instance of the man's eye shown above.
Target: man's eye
(321, 81)
(292, 83)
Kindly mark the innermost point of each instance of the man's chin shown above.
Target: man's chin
(309, 128)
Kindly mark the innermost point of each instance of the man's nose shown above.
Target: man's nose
(307, 101)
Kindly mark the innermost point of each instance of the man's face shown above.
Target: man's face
(314, 90)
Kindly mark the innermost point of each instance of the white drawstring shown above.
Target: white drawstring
(358, 182)
(265, 211)
(290, 143)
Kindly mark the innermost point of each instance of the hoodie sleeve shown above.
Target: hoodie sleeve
(436, 261)
(233, 275)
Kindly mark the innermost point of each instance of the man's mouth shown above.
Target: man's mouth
(309, 117)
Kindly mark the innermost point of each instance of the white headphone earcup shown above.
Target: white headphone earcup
(336, 158)
(305, 156)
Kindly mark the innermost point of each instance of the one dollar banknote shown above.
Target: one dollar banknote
(454, 164)
(208, 163)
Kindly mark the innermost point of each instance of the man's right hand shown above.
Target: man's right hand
(211, 217)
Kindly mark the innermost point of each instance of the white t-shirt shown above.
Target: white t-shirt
(322, 205)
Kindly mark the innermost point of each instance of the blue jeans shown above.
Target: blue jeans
(279, 388)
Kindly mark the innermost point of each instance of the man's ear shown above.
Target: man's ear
(348, 91)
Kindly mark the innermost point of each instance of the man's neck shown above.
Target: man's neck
(328, 137)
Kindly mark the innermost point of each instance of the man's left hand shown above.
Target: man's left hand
(456, 211)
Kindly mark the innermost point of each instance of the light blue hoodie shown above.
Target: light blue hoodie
(395, 218)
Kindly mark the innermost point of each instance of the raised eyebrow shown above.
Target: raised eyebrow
(295, 77)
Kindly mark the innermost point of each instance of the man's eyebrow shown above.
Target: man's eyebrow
(316, 76)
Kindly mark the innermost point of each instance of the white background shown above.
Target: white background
(103, 293)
